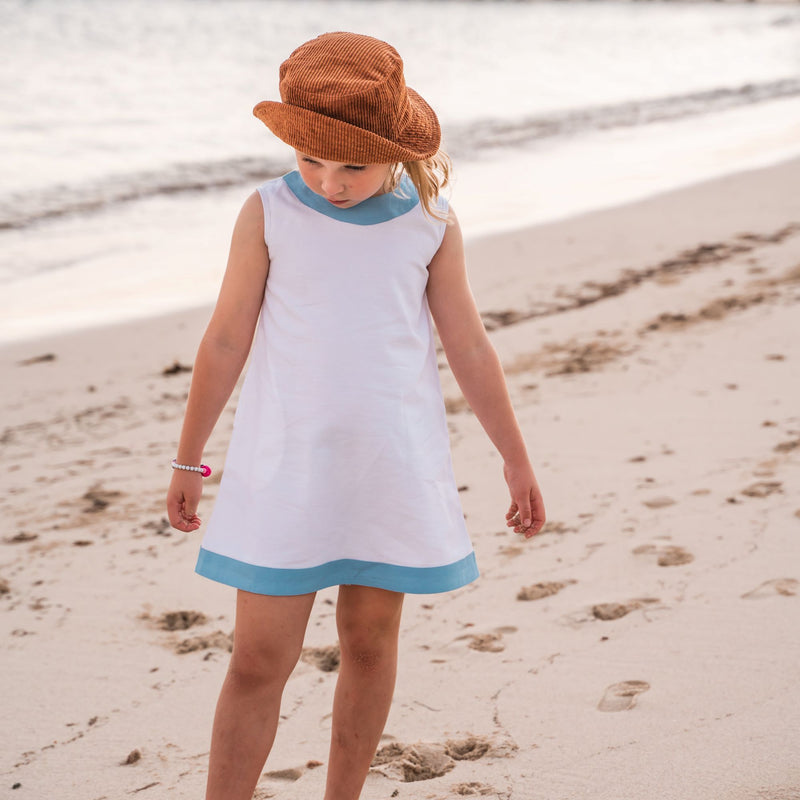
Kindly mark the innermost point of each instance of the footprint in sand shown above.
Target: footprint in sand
(291, 774)
(42, 359)
(762, 489)
(511, 550)
(622, 696)
(554, 526)
(132, 758)
(22, 536)
(410, 763)
(486, 642)
(98, 499)
(609, 611)
(539, 590)
(491, 642)
(176, 368)
(659, 502)
(181, 620)
(160, 528)
(217, 640)
(470, 749)
(423, 761)
(788, 587)
(669, 555)
(326, 659)
(473, 789)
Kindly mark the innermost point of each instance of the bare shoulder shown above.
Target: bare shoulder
(448, 264)
(245, 279)
(248, 248)
(253, 205)
(250, 222)
(449, 294)
(452, 245)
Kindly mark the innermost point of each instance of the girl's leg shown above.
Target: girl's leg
(267, 642)
(369, 621)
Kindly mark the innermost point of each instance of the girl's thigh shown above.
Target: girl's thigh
(269, 631)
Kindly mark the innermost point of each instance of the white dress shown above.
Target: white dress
(339, 470)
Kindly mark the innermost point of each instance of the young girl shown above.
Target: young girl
(338, 471)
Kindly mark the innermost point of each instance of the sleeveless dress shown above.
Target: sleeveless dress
(339, 470)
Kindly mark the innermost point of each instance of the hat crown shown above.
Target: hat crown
(349, 77)
(344, 98)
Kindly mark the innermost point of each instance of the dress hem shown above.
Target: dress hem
(348, 571)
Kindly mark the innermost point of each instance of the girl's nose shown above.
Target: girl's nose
(331, 185)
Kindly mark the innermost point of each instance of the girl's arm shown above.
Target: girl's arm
(479, 373)
(220, 357)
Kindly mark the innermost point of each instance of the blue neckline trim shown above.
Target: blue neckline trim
(371, 211)
(273, 581)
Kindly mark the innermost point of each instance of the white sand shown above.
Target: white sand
(667, 448)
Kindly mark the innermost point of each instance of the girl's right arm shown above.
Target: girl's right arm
(220, 357)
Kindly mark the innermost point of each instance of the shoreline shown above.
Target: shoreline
(168, 254)
(556, 236)
(651, 354)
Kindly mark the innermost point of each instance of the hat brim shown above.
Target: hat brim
(332, 139)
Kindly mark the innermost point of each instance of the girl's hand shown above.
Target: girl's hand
(526, 512)
(183, 498)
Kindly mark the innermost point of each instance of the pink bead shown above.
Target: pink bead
(206, 471)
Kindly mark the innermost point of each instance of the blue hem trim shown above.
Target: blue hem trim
(272, 581)
(371, 211)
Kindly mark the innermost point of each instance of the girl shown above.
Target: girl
(338, 471)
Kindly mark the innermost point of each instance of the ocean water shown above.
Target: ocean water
(128, 141)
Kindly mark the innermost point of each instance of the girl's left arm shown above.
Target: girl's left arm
(477, 369)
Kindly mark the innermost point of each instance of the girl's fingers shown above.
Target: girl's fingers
(190, 517)
(188, 523)
(537, 516)
(527, 517)
(180, 518)
(521, 511)
(174, 514)
(512, 510)
(525, 512)
(183, 497)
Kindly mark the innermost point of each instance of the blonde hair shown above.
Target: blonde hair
(429, 177)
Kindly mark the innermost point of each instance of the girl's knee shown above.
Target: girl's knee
(369, 657)
(258, 665)
(368, 620)
(369, 646)
(368, 643)
(268, 638)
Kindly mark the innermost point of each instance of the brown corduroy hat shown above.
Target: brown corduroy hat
(345, 99)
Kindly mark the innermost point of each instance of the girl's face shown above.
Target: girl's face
(343, 185)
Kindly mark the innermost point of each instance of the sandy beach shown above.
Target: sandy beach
(644, 645)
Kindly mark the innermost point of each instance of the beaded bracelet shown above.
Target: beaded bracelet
(204, 470)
